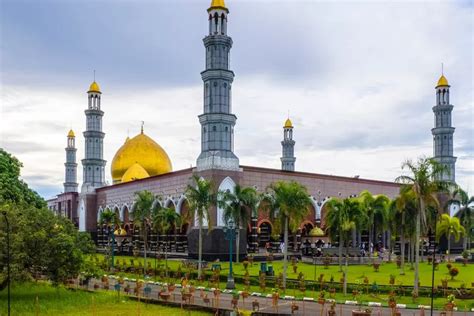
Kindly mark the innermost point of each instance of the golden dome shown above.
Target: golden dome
(94, 87)
(316, 232)
(442, 81)
(135, 172)
(120, 232)
(143, 151)
(288, 123)
(218, 4)
(71, 133)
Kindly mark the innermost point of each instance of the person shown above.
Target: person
(282, 246)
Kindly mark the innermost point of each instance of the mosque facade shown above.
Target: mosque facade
(142, 164)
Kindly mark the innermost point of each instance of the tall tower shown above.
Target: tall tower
(93, 162)
(443, 130)
(70, 184)
(288, 148)
(217, 121)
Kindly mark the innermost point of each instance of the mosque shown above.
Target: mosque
(142, 164)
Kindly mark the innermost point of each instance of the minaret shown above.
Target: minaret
(288, 148)
(217, 121)
(443, 130)
(93, 162)
(70, 184)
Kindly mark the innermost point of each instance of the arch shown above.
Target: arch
(306, 227)
(169, 203)
(156, 203)
(99, 213)
(226, 185)
(125, 214)
(179, 206)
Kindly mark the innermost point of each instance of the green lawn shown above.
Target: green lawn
(43, 299)
(355, 272)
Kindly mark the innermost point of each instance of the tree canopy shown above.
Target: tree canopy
(41, 243)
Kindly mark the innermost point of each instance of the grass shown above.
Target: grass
(355, 272)
(43, 299)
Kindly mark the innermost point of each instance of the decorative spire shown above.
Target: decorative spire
(143, 123)
(71, 134)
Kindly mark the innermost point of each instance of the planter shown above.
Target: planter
(361, 313)
(449, 306)
(164, 296)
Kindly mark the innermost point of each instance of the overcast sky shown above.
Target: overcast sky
(357, 78)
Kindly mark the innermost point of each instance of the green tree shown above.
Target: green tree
(402, 204)
(13, 190)
(425, 186)
(238, 205)
(287, 200)
(200, 197)
(164, 219)
(110, 219)
(466, 213)
(141, 212)
(449, 226)
(376, 208)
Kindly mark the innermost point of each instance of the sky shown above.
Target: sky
(356, 77)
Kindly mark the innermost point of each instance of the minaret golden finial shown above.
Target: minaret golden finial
(143, 123)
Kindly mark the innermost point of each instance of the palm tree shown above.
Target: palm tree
(466, 212)
(402, 204)
(163, 220)
(376, 209)
(142, 211)
(449, 226)
(110, 219)
(423, 181)
(237, 205)
(287, 200)
(200, 198)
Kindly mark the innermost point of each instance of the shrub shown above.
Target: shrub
(453, 272)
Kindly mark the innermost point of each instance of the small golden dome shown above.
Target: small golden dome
(135, 172)
(145, 152)
(71, 133)
(94, 87)
(316, 232)
(218, 4)
(442, 81)
(288, 123)
(120, 232)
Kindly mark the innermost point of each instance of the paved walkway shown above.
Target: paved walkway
(223, 302)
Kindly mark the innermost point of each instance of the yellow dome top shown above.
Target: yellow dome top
(94, 87)
(215, 4)
(120, 232)
(316, 232)
(442, 81)
(145, 152)
(135, 172)
(71, 133)
(288, 123)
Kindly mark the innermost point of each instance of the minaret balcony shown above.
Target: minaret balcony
(442, 107)
(442, 130)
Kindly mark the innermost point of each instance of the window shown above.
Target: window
(214, 128)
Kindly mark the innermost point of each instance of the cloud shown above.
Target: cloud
(357, 78)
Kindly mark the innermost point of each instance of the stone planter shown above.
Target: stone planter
(361, 313)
